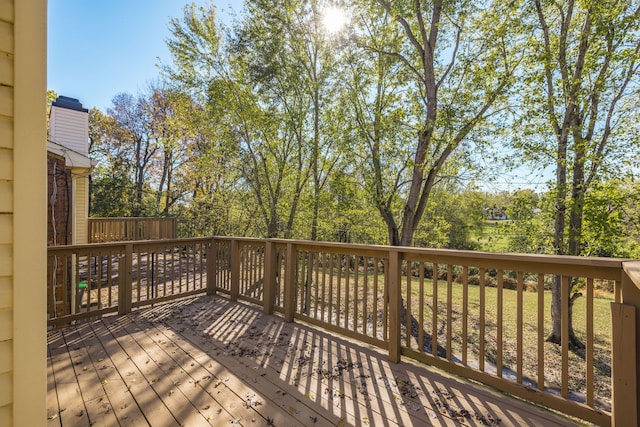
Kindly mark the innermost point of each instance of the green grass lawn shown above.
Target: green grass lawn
(489, 239)
(552, 358)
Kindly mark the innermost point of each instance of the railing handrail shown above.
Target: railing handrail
(457, 253)
(89, 246)
(449, 253)
(132, 218)
(107, 229)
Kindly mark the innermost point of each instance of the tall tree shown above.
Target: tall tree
(461, 59)
(249, 92)
(589, 55)
(111, 185)
(378, 104)
(171, 113)
(293, 63)
(132, 117)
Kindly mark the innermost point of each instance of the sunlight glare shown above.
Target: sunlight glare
(334, 19)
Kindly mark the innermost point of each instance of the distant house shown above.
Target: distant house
(495, 213)
(68, 169)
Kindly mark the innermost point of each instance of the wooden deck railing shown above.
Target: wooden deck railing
(483, 316)
(104, 230)
(85, 281)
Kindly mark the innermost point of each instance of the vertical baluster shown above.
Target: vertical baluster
(449, 308)
(347, 270)
(316, 285)
(589, 344)
(408, 304)
(465, 312)
(109, 275)
(541, 337)
(520, 326)
(481, 349)
(339, 290)
(356, 285)
(565, 336)
(365, 294)
(374, 309)
(324, 289)
(499, 323)
(331, 275)
(394, 291)
(387, 302)
(421, 267)
(99, 278)
(434, 319)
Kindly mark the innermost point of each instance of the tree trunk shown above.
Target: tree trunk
(168, 202)
(410, 215)
(316, 154)
(558, 236)
(163, 179)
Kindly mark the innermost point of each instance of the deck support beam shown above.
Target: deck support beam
(270, 268)
(395, 301)
(125, 281)
(235, 270)
(625, 348)
(212, 267)
(290, 282)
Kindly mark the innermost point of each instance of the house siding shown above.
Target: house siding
(23, 384)
(81, 229)
(6, 211)
(70, 128)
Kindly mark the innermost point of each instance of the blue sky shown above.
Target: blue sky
(97, 49)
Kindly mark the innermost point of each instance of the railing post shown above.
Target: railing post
(212, 267)
(125, 281)
(625, 347)
(395, 300)
(235, 270)
(290, 282)
(269, 284)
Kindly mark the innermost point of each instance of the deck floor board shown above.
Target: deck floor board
(208, 361)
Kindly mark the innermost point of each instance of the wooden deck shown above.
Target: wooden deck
(208, 361)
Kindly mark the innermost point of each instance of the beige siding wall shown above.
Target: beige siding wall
(23, 378)
(6, 211)
(81, 206)
(70, 128)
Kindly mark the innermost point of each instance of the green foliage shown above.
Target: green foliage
(274, 127)
(111, 194)
(612, 219)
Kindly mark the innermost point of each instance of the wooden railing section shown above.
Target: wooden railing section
(482, 316)
(85, 281)
(105, 230)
